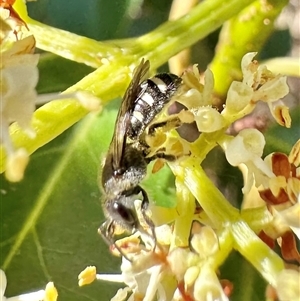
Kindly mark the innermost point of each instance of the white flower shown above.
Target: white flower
(208, 119)
(208, 287)
(259, 84)
(18, 80)
(147, 276)
(164, 274)
(247, 148)
(19, 76)
(193, 94)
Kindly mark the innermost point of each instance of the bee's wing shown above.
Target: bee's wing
(119, 139)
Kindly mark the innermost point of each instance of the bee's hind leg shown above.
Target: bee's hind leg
(171, 123)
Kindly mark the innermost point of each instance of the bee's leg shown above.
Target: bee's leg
(166, 125)
(161, 155)
(144, 207)
(106, 230)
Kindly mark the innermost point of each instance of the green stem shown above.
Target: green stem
(174, 36)
(224, 215)
(246, 32)
(218, 209)
(257, 218)
(289, 66)
(67, 44)
(158, 45)
(266, 261)
(55, 117)
(185, 208)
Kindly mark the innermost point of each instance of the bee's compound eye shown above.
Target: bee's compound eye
(124, 213)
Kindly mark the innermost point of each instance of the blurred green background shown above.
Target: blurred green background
(60, 185)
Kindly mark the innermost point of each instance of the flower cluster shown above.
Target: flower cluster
(164, 273)
(183, 269)
(281, 192)
(258, 84)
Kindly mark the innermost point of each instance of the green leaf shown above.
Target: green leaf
(248, 285)
(160, 187)
(49, 220)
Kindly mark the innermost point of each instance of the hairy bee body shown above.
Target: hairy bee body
(126, 162)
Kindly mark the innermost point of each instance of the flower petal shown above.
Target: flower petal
(208, 287)
(287, 285)
(238, 102)
(16, 164)
(208, 119)
(246, 146)
(248, 68)
(272, 90)
(3, 283)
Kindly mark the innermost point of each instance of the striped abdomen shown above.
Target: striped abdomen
(155, 93)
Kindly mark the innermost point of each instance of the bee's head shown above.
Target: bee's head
(118, 213)
(122, 211)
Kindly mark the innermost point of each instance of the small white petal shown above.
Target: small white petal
(153, 283)
(16, 164)
(291, 217)
(121, 294)
(191, 275)
(248, 72)
(288, 285)
(280, 112)
(238, 100)
(3, 283)
(207, 286)
(117, 278)
(272, 90)
(249, 143)
(19, 97)
(178, 261)
(208, 87)
(205, 243)
(208, 119)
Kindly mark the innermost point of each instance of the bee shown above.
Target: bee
(126, 163)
